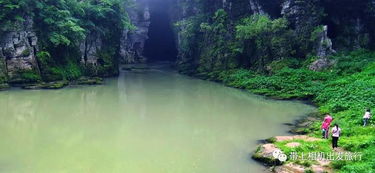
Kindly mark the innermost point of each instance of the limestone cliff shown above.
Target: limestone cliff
(18, 54)
(205, 34)
(133, 41)
(317, 28)
(89, 49)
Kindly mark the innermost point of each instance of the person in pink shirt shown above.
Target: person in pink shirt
(328, 119)
(325, 125)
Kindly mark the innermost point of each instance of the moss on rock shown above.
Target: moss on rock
(264, 154)
(89, 81)
(49, 85)
(25, 76)
(55, 85)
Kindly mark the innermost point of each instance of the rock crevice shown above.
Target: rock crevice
(18, 52)
(133, 41)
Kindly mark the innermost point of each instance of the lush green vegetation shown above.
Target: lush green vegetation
(3, 76)
(344, 90)
(67, 24)
(305, 147)
(213, 41)
(63, 26)
(270, 56)
(270, 39)
(263, 54)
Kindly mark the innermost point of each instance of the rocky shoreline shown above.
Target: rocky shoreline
(55, 84)
(265, 151)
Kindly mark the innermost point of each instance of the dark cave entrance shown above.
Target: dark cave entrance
(161, 44)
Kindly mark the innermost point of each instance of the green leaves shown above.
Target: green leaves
(58, 39)
(253, 26)
(344, 91)
(62, 25)
(12, 13)
(272, 39)
(11, 6)
(56, 19)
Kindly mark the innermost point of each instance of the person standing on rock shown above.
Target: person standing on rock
(336, 132)
(325, 125)
(366, 117)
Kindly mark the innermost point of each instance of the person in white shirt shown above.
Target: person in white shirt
(366, 117)
(336, 132)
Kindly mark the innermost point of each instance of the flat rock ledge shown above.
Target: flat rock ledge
(264, 154)
(64, 83)
(47, 85)
(296, 137)
(3, 86)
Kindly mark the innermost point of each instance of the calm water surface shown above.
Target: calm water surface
(144, 121)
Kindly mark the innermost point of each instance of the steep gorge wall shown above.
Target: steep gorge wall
(319, 27)
(47, 42)
(133, 41)
(351, 23)
(18, 55)
(205, 33)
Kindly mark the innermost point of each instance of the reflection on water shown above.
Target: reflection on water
(145, 121)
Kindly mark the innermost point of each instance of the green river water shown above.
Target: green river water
(144, 121)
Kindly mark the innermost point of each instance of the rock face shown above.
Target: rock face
(351, 23)
(3, 73)
(264, 154)
(18, 52)
(323, 50)
(339, 31)
(133, 41)
(290, 167)
(303, 15)
(296, 137)
(89, 49)
(184, 13)
(324, 44)
(321, 64)
(255, 7)
(188, 11)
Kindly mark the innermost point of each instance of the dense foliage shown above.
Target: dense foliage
(269, 39)
(251, 42)
(345, 91)
(63, 26)
(270, 55)
(265, 54)
(12, 12)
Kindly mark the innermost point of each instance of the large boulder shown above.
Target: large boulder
(265, 154)
(321, 64)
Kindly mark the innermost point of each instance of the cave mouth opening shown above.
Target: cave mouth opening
(160, 46)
